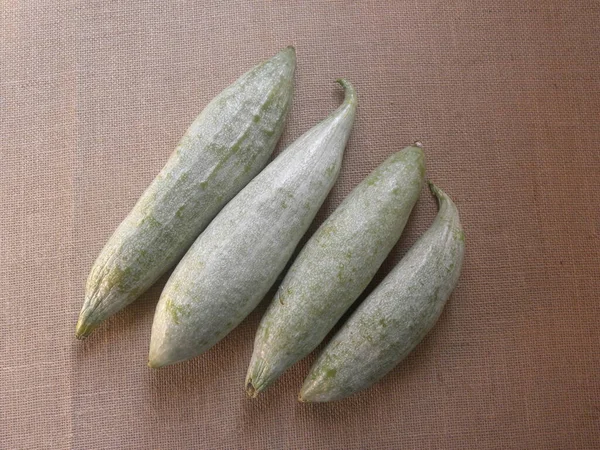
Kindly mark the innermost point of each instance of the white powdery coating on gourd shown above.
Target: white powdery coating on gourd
(335, 266)
(234, 262)
(396, 316)
(222, 150)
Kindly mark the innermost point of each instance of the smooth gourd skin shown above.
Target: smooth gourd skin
(235, 261)
(223, 149)
(396, 316)
(335, 266)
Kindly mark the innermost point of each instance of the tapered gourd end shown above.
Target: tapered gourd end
(156, 360)
(163, 353)
(415, 151)
(316, 394)
(251, 391)
(84, 328)
(306, 395)
(287, 57)
(154, 364)
(260, 376)
(311, 391)
(415, 154)
(319, 389)
(289, 50)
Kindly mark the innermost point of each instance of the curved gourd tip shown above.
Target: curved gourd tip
(447, 208)
(349, 90)
(439, 194)
(445, 203)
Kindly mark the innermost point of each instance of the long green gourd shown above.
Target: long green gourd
(335, 266)
(235, 261)
(224, 148)
(396, 316)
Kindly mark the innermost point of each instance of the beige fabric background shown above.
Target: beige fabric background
(506, 98)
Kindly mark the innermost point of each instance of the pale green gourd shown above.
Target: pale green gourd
(396, 316)
(235, 261)
(224, 148)
(335, 266)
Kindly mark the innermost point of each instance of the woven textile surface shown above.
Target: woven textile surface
(505, 97)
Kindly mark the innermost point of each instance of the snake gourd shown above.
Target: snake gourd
(335, 266)
(223, 149)
(396, 316)
(235, 261)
